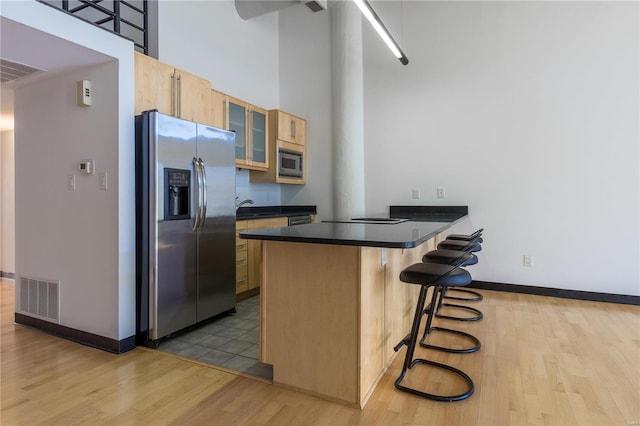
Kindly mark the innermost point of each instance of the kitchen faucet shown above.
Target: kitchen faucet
(243, 202)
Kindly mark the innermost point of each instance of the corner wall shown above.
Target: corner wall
(84, 238)
(305, 90)
(69, 235)
(7, 201)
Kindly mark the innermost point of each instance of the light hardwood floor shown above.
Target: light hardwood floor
(543, 361)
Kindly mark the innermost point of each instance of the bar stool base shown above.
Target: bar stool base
(444, 398)
(477, 312)
(476, 297)
(476, 342)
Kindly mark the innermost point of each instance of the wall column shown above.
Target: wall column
(348, 110)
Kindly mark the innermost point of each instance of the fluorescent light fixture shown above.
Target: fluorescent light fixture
(371, 16)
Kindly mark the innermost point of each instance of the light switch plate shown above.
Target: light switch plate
(103, 181)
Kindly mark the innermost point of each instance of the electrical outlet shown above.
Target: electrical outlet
(442, 193)
(527, 260)
(71, 182)
(415, 193)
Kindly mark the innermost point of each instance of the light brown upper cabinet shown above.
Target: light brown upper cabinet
(249, 122)
(290, 128)
(283, 152)
(171, 91)
(218, 109)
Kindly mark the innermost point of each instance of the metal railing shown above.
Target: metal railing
(129, 19)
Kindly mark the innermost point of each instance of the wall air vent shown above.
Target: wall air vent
(10, 70)
(39, 298)
(316, 5)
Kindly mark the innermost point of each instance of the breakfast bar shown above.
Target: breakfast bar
(332, 305)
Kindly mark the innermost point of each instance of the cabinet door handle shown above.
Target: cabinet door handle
(173, 94)
(249, 133)
(179, 108)
(293, 129)
(225, 123)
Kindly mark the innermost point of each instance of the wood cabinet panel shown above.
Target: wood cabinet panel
(355, 294)
(254, 248)
(193, 97)
(242, 263)
(290, 128)
(153, 85)
(170, 90)
(218, 109)
(319, 312)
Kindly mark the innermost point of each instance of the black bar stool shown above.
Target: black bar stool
(467, 237)
(453, 257)
(430, 275)
(467, 246)
(460, 245)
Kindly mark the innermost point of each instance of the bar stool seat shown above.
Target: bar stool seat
(466, 237)
(451, 257)
(469, 247)
(431, 275)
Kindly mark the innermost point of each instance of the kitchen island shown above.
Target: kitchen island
(332, 305)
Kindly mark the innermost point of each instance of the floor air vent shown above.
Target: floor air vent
(41, 298)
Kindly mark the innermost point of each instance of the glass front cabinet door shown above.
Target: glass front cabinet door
(249, 123)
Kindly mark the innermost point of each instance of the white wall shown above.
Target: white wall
(240, 58)
(7, 200)
(528, 113)
(209, 39)
(84, 238)
(61, 232)
(305, 90)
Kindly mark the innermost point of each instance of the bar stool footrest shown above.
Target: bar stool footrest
(444, 398)
(478, 316)
(476, 342)
(476, 297)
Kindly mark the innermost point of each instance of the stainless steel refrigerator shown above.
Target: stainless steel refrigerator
(185, 224)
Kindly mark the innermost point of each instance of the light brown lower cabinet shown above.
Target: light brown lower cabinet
(331, 315)
(249, 252)
(255, 248)
(242, 284)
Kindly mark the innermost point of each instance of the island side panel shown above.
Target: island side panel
(310, 301)
(372, 319)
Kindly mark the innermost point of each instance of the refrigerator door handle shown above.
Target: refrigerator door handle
(203, 210)
(196, 169)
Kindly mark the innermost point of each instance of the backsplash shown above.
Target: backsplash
(263, 194)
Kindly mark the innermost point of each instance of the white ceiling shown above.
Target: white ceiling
(26, 45)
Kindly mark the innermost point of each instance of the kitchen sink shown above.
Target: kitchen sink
(376, 220)
(380, 220)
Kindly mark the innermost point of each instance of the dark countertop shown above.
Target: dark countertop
(429, 213)
(264, 212)
(401, 235)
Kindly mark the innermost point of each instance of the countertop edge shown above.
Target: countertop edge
(267, 212)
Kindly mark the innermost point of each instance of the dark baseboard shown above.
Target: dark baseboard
(78, 336)
(9, 275)
(558, 292)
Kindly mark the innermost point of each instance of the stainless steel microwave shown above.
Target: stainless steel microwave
(289, 163)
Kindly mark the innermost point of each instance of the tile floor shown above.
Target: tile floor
(232, 341)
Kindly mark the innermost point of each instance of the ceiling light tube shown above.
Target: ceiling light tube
(375, 21)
